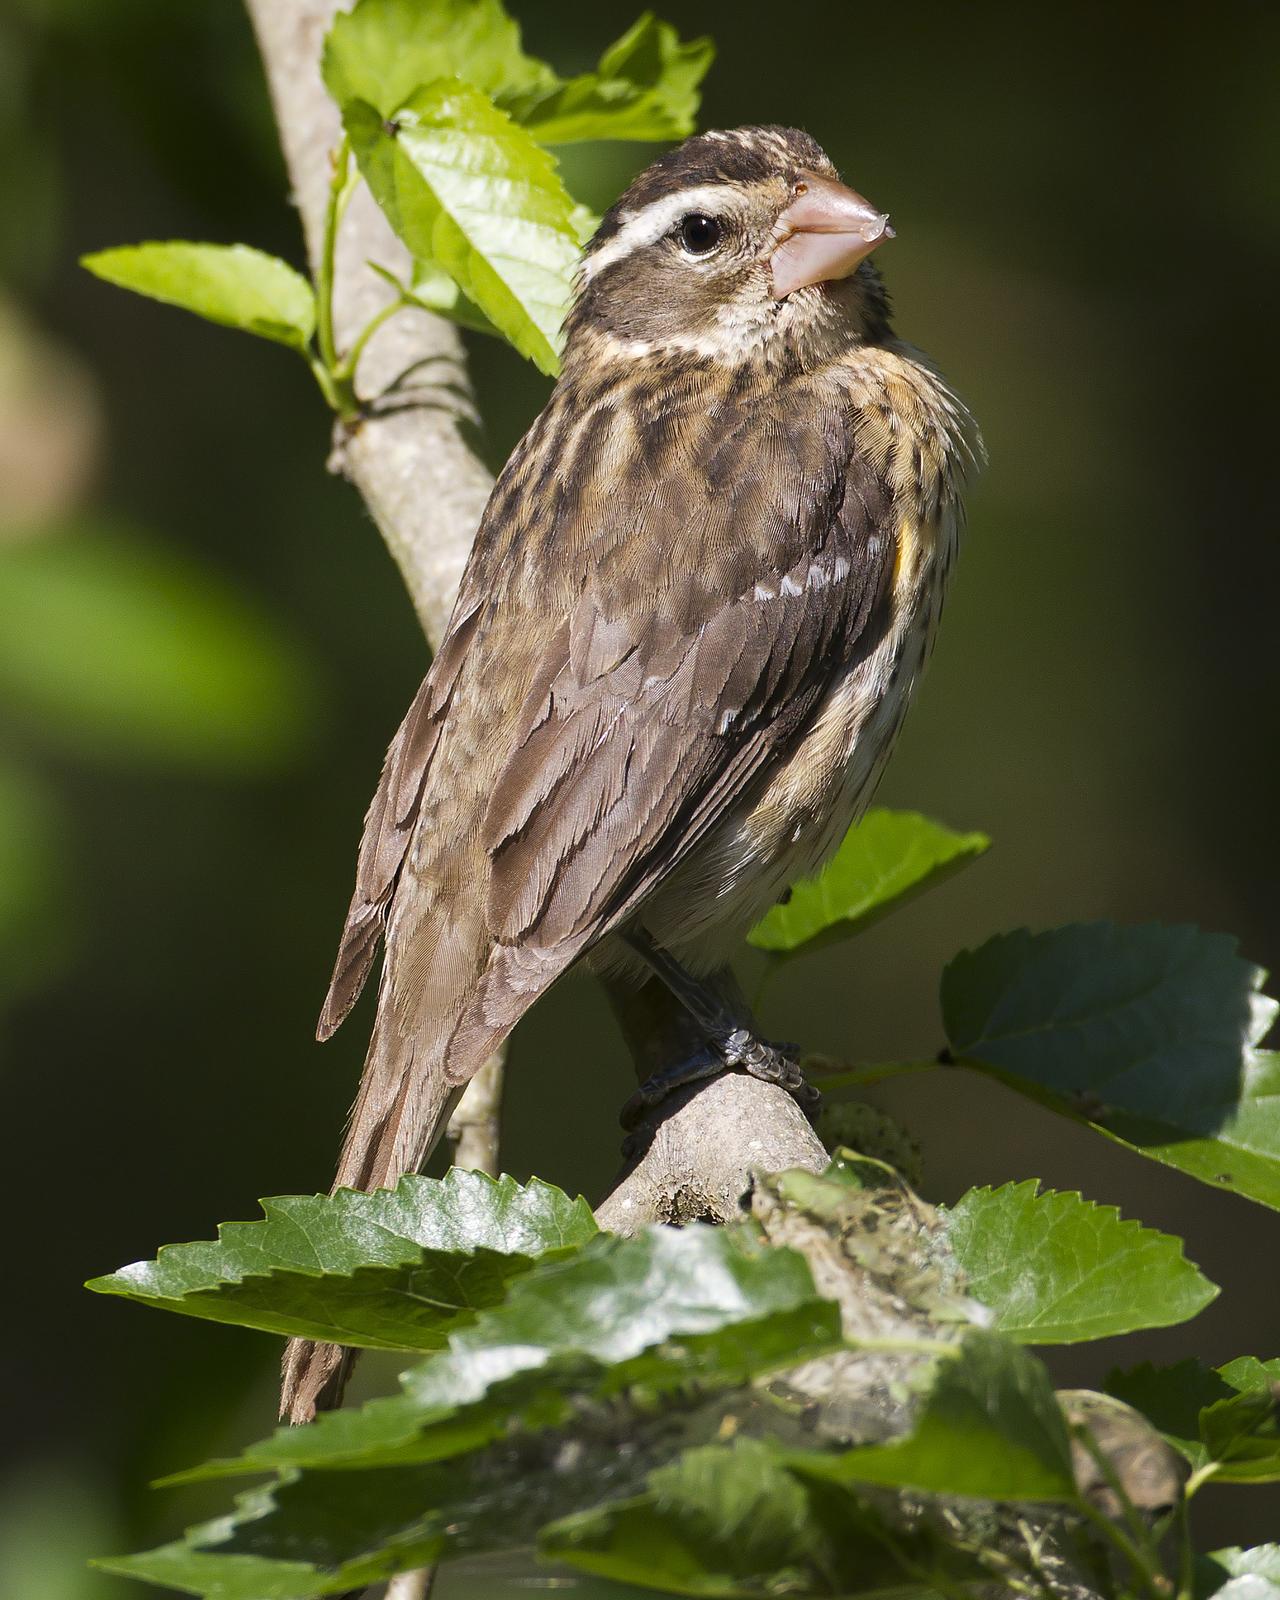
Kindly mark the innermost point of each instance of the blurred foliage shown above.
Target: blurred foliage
(118, 648)
(1086, 245)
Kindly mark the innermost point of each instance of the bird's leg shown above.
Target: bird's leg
(723, 1019)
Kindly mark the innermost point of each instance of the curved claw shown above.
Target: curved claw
(771, 1063)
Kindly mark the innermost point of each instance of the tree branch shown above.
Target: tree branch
(408, 456)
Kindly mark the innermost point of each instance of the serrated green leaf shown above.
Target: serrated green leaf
(1150, 1033)
(115, 646)
(722, 1520)
(665, 1309)
(228, 283)
(695, 1297)
(1225, 1421)
(645, 87)
(469, 190)
(395, 1269)
(383, 50)
(1057, 1269)
(885, 859)
(731, 1520)
(990, 1427)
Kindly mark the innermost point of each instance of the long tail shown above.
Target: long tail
(401, 1111)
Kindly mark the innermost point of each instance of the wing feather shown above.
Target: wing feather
(389, 825)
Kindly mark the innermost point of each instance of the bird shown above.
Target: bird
(701, 594)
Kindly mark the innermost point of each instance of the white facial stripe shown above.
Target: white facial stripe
(651, 222)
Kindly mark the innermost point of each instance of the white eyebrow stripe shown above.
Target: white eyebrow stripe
(648, 225)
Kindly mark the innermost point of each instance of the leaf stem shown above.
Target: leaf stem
(324, 378)
(945, 1349)
(1199, 1477)
(1140, 1562)
(873, 1072)
(1186, 1555)
(345, 370)
(337, 386)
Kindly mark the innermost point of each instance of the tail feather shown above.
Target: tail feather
(400, 1114)
(447, 1000)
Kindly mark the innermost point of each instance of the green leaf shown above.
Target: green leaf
(1226, 1422)
(646, 87)
(227, 283)
(434, 290)
(1150, 1033)
(667, 1310)
(382, 51)
(120, 648)
(990, 1427)
(395, 1269)
(885, 859)
(1237, 1574)
(714, 1517)
(1057, 1269)
(469, 190)
(731, 1520)
(664, 1308)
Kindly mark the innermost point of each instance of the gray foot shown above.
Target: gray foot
(739, 1048)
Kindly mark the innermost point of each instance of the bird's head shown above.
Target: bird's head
(737, 247)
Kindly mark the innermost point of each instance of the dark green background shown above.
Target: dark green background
(1088, 237)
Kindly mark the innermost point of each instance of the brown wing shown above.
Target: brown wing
(697, 652)
(390, 821)
(675, 585)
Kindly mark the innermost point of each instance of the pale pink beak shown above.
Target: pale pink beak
(823, 234)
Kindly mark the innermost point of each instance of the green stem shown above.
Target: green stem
(1137, 1527)
(1186, 1555)
(1199, 1478)
(337, 388)
(1140, 1562)
(324, 379)
(340, 186)
(346, 368)
(877, 1072)
(910, 1347)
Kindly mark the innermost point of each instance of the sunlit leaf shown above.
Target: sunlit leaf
(434, 290)
(646, 87)
(383, 50)
(699, 1312)
(667, 1311)
(120, 648)
(885, 859)
(1150, 1033)
(469, 190)
(394, 1269)
(231, 284)
(1057, 1269)
(1237, 1574)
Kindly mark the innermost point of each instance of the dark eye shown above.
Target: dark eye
(699, 233)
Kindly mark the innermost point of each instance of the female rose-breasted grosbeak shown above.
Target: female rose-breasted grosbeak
(702, 591)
